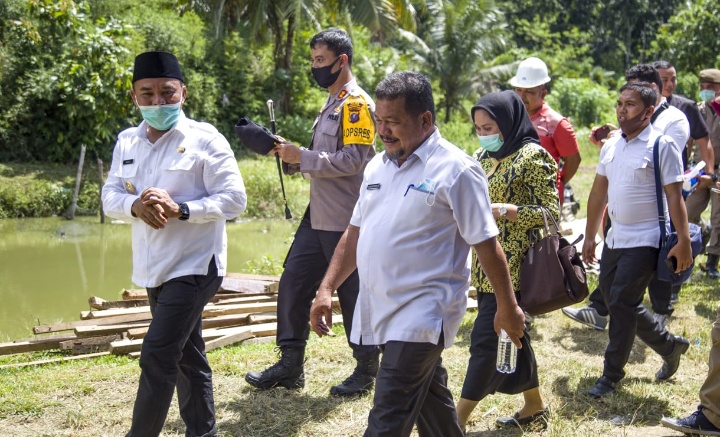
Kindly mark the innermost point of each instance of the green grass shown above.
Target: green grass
(94, 397)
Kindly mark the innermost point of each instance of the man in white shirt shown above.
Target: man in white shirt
(625, 182)
(177, 181)
(670, 121)
(422, 204)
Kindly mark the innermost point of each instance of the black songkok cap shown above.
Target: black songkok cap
(156, 64)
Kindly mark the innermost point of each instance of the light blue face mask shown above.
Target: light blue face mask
(491, 143)
(161, 117)
(707, 95)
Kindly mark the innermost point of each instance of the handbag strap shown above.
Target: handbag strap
(658, 191)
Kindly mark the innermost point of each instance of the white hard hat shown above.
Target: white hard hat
(531, 72)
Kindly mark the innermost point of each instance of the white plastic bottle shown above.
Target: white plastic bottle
(507, 354)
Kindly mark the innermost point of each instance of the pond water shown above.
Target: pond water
(50, 267)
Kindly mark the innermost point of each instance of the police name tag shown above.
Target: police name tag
(373, 187)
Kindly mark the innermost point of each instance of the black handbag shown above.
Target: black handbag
(665, 270)
(552, 275)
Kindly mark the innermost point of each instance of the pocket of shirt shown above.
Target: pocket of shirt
(179, 177)
(640, 172)
(328, 140)
(128, 174)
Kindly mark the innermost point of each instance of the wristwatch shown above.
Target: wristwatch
(184, 211)
(714, 177)
(502, 210)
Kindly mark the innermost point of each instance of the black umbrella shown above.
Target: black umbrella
(261, 140)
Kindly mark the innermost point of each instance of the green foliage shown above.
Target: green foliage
(34, 198)
(456, 39)
(63, 76)
(266, 265)
(264, 193)
(690, 38)
(584, 102)
(461, 133)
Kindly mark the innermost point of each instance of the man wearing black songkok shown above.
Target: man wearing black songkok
(177, 181)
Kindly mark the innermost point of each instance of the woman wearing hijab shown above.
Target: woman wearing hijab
(521, 178)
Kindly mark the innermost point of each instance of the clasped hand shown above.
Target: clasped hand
(154, 207)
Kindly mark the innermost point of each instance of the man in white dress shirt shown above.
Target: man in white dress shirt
(177, 181)
(625, 182)
(423, 203)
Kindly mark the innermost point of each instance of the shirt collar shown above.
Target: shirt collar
(643, 136)
(543, 108)
(425, 149)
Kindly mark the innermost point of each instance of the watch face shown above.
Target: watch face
(502, 210)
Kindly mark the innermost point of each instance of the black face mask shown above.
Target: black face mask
(632, 124)
(323, 75)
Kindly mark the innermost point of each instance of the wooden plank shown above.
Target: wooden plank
(220, 310)
(122, 347)
(270, 278)
(82, 346)
(228, 340)
(226, 320)
(268, 317)
(99, 303)
(54, 360)
(34, 345)
(95, 330)
(99, 314)
(135, 333)
(245, 286)
(134, 294)
(226, 299)
(67, 326)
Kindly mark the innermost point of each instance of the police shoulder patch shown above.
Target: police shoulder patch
(358, 125)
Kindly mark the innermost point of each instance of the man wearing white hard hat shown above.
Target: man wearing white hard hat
(555, 131)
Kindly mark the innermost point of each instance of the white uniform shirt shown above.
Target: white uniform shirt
(193, 162)
(417, 223)
(632, 204)
(673, 123)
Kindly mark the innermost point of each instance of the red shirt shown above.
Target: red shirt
(556, 136)
(556, 133)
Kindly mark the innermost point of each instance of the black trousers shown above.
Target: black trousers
(411, 387)
(659, 291)
(305, 267)
(624, 275)
(173, 355)
(482, 377)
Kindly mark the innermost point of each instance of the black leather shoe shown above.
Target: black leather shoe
(539, 418)
(602, 388)
(672, 361)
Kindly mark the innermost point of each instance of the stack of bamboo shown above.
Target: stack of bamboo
(244, 307)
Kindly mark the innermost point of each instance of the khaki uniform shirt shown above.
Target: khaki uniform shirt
(342, 144)
(713, 124)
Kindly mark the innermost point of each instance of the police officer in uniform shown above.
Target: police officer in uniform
(696, 204)
(342, 144)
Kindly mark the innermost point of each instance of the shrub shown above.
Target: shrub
(264, 192)
(33, 198)
(583, 101)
